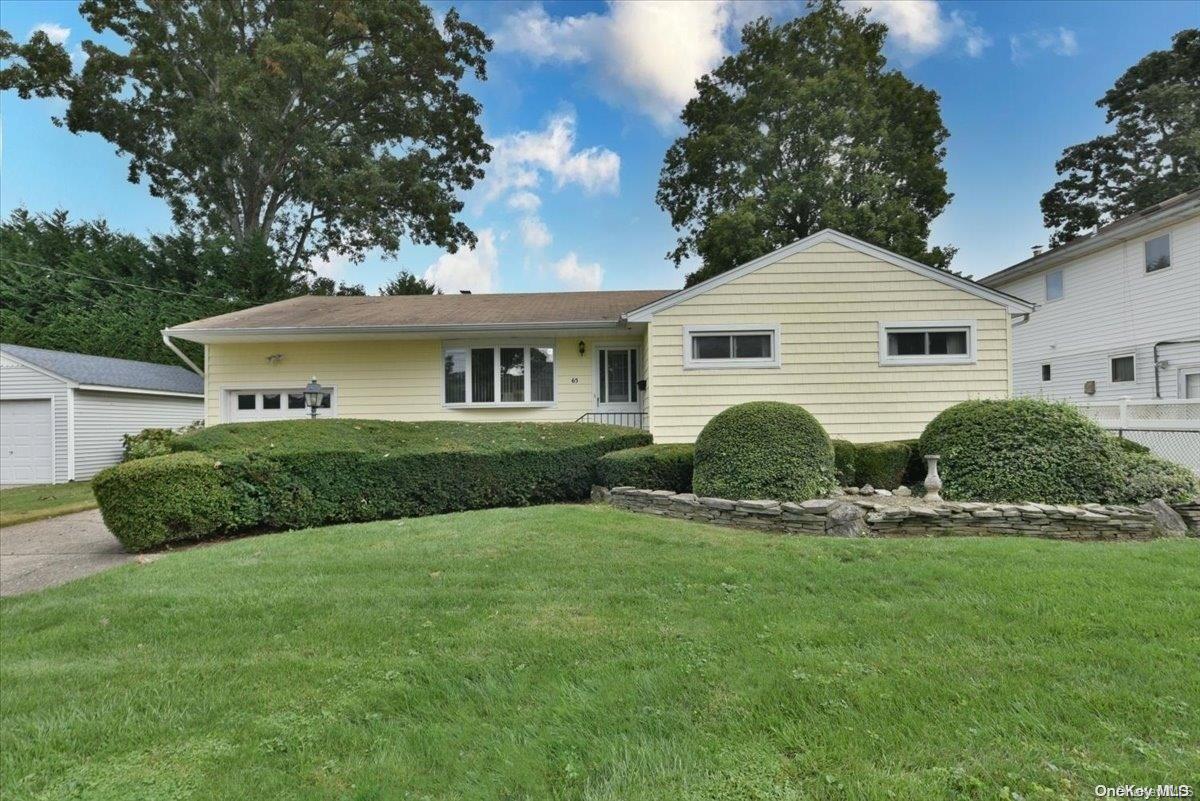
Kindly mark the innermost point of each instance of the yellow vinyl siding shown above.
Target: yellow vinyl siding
(393, 379)
(829, 302)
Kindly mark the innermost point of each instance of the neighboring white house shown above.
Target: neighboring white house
(63, 415)
(1118, 311)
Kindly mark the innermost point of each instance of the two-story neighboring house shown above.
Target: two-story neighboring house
(1118, 311)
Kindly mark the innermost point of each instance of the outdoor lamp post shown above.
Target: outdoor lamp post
(312, 396)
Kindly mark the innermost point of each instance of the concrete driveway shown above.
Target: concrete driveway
(49, 552)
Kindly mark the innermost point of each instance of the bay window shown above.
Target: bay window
(499, 375)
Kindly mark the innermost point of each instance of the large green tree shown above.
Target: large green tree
(313, 126)
(1152, 154)
(804, 128)
(83, 287)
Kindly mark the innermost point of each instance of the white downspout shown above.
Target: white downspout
(175, 349)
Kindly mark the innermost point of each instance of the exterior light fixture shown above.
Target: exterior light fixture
(313, 393)
(582, 348)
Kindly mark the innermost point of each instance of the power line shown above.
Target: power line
(112, 280)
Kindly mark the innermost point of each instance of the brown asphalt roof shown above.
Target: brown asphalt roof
(315, 311)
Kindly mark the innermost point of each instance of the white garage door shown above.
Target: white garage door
(26, 442)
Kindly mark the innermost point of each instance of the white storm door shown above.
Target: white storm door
(616, 379)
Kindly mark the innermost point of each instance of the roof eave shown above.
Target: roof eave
(1089, 244)
(1012, 303)
(208, 335)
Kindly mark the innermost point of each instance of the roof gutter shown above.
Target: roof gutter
(344, 330)
(166, 337)
(1133, 229)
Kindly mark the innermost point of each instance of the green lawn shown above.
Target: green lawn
(583, 652)
(22, 504)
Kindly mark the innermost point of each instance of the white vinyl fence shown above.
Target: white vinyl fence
(1169, 428)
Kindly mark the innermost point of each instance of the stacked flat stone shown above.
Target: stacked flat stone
(859, 516)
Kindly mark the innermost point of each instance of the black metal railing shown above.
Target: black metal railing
(628, 419)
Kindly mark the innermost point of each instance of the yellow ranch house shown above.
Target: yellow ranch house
(872, 343)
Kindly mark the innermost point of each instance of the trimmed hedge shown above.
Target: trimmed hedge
(763, 449)
(883, 465)
(1024, 450)
(1148, 476)
(843, 461)
(665, 467)
(296, 474)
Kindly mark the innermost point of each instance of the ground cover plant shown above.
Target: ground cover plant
(582, 652)
(763, 449)
(34, 502)
(665, 467)
(293, 474)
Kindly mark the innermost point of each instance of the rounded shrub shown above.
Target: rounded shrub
(763, 450)
(1147, 477)
(1023, 450)
(655, 467)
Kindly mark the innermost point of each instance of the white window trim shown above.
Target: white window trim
(1046, 284)
(495, 346)
(1113, 357)
(886, 360)
(1170, 254)
(1183, 372)
(1042, 372)
(229, 404)
(773, 362)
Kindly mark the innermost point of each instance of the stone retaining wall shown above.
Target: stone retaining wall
(858, 517)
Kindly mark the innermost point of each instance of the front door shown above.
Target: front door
(616, 379)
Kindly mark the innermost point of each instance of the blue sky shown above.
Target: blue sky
(581, 104)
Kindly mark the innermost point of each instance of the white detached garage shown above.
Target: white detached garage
(63, 415)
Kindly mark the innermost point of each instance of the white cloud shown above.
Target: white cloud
(1059, 41)
(475, 269)
(332, 266)
(918, 28)
(524, 201)
(520, 159)
(54, 32)
(574, 275)
(648, 54)
(534, 233)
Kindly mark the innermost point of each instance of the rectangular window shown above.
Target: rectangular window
(1122, 369)
(483, 375)
(1045, 372)
(295, 400)
(246, 402)
(1054, 285)
(1158, 253)
(512, 375)
(498, 374)
(456, 375)
(541, 374)
(271, 401)
(1191, 386)
(731, 347)
(927, 343)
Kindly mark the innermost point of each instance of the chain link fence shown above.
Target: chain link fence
(1170, 429)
